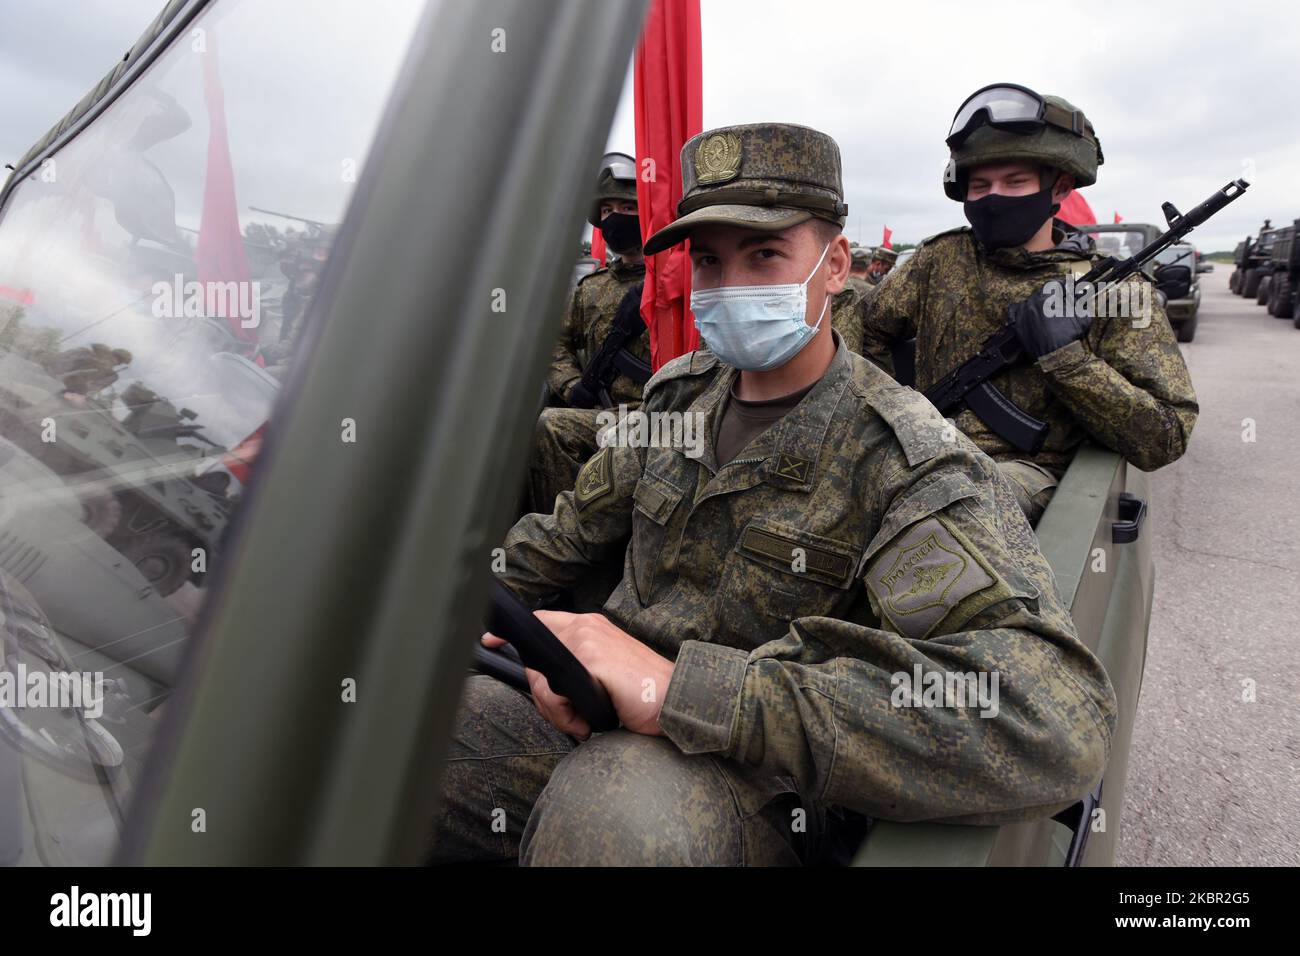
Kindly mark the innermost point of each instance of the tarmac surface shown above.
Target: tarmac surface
(1214, 776)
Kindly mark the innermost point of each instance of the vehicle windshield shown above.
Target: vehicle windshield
(1181, 254)
(155, 273)
(1118, 241)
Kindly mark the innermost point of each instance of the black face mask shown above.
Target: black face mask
(1001, 221)
(622, 232)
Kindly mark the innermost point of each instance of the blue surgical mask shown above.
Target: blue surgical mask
(756, 327)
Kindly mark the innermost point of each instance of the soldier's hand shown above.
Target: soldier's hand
(635, 677)
(1049, 320)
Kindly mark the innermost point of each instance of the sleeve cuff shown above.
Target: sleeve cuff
(702, 706)
(1066, 357)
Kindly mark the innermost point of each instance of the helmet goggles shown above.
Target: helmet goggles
(1013, 109)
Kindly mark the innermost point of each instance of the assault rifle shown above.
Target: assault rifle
(969, 382)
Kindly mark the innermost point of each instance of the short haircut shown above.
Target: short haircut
(826, 230)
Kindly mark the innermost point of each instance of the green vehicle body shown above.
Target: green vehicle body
(389, 591)
(1252, 258)
(1282, 274)
(1182, 298)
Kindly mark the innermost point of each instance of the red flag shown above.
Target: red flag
(598, 246)
(219, 253)
(1117, 218)
(668, 91)
(240, 459)
(885, 241)
(1075, 210)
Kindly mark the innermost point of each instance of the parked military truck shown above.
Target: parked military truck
(1173, 272)
(1255, 255)
(1282, 280)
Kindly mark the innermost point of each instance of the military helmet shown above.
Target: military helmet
(616, 180)
(1064, 141)
(763, 176)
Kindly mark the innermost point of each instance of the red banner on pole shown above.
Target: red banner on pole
(219, 253)
(668, 92)
(885, 239)
(1075, 210)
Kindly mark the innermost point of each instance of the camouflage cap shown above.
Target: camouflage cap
(1078, 155)
(861, 253)
(764, 176)
(882, 254)
(616, 180)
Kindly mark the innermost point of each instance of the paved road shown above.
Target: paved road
(1214, 779)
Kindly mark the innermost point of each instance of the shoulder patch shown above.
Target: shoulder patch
(920, 429)
(925, 573)
(684, 366)
(595, 480)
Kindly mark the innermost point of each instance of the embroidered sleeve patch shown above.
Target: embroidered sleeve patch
(922, 575)
(594, 480)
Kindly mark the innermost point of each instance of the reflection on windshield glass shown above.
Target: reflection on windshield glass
(155, 277)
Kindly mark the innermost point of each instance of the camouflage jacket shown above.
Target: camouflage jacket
(857, 539)
(591, 315)
(846, 311)
(1125, 384)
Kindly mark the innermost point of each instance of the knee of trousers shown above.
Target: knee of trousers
(625, 799)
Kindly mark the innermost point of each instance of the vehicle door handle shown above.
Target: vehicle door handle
(1078, 819)
(1132, 512)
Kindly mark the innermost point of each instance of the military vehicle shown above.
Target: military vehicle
(1254, 255)
(1173, 271)
(139, 484)
(1283, 267)
(361, 552)
(1182, 290)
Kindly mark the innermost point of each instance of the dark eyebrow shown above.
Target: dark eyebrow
(754, 240)
(761, 238)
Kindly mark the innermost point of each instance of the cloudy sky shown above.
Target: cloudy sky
(1184, 96)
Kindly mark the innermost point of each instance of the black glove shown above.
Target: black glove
(1049, 319)
(581, 397)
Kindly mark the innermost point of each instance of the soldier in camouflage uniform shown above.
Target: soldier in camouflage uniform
(860, 273)
(882, 263)
(1120, 381)
(565, 437)
(834, 533)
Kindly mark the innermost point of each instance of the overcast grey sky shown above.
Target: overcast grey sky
(1184, 96)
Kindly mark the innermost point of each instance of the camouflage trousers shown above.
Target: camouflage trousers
(515, 788)
(1033, 485)
(563, 440)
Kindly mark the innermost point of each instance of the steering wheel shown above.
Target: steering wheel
(537, 648)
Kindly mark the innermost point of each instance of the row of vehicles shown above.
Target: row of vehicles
(1268, 270)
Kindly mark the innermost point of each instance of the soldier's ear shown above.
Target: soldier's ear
(1061, 188)
(840, 259)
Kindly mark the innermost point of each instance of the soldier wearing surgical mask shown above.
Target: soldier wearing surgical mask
(832, 531)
